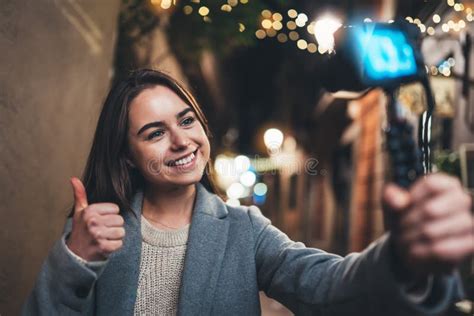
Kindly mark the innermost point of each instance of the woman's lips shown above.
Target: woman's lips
(188, 165)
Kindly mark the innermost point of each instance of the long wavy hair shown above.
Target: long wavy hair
(107, 176)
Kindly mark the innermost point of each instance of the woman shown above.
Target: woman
(147, 237)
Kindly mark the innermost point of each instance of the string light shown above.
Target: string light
(294, 35)
(312, 48)
(277, 16)
(226, 8)
(282, 38)
(302, 44)
(291, 25)
(266, 24)
(260, 34)
(277, 25)
(203, 11)
(188, 9)
(292, 13)
(266, 14)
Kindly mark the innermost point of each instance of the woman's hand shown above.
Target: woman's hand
(97, 229)
(431, 224)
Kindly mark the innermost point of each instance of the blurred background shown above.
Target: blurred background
(314, 162)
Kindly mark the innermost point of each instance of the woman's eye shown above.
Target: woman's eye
(155, 134)
(188, 121)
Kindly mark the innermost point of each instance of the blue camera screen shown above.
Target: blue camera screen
(384, 53)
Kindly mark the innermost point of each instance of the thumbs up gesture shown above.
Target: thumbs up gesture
(97, 229)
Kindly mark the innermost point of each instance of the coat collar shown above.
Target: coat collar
(117, 287)
(205, 203)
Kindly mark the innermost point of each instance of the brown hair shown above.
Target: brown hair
(107, 176)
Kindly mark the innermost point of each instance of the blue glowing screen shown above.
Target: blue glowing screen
(385, 53)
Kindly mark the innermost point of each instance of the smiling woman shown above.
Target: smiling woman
(171, 147)
(137, 129)
(146, 237)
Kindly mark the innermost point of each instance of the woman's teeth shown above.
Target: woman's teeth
(185, 160)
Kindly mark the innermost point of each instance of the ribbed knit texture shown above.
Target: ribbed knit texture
(161, 268)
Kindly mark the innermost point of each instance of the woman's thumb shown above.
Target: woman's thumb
(395, 198)
(80, 196)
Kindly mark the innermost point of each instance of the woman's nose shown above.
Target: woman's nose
(179, 140)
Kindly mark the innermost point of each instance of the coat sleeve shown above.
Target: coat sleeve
(312, 282)
(64, 286)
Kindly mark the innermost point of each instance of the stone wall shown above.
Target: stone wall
(56, 66)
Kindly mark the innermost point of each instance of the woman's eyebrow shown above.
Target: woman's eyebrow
(160, 124)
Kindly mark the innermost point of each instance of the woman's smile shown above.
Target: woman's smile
(184, 163)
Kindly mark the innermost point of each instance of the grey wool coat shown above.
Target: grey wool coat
(232, 254)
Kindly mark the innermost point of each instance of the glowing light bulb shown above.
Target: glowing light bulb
(324, 30)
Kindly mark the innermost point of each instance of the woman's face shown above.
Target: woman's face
(167, 142)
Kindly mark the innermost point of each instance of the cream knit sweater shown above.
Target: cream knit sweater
(161, 268)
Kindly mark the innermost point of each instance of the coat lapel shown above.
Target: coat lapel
(205, 252)
(117, 286)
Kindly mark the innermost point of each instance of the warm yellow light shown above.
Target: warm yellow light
(324, 30)
(470, 17)
(266, 23)
(456, 27)
(436, 18)
(416, 21)
(277, 25)
(244, 1)
(292, 13)
(277, 16)
(233, 2)
(273, 138)
(300, 22)
(312, 48)
(241, 27)
(457, 7)
(303, 17)
(207, 19)
(322, 50)
(462, 24)
(282, 38)
(203, 11)
(310, 28)
(293, 35)
(302, 44)
(266, 14)
(451, 24)
(431, 31)
(271, 33)
(445, 27)
(188, 9)
(434, 70)
(451, 3)
(468, 11)
(226, 8)
(260, 34)
(291, 25)
(195, 1)
(422, 28)
(409, 19)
